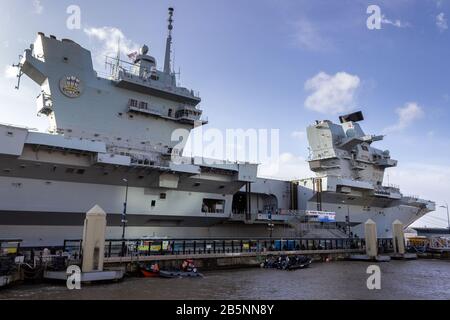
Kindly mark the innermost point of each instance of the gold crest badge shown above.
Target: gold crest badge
(71, 86)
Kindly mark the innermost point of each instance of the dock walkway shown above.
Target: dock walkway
(197, 256)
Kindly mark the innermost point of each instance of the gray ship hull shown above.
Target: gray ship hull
(45, 213)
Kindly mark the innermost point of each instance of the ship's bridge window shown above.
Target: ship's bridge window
(143, 105)
(133, 103)
(365, 148)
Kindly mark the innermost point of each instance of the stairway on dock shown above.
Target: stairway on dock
(315, 230)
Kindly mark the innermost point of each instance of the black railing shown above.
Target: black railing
(151, 247)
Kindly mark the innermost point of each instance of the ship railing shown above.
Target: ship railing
(313, 224)
(116, 64)
(218, 211)
(127, 149)
(413, 197)
(147, 161)
(391, 186)
(11, 125)
(166, 246)
(145, 109)
(387, 189)
(268, 215)
(293, 216)
(133, 74)
(151, 158)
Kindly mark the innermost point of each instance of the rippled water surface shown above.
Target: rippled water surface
(419, 279)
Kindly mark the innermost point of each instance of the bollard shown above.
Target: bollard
(371, 238)
(398, 237)
(94, 240)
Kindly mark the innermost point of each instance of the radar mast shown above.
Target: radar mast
(167, 60)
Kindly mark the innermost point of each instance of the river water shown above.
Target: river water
(418, 279)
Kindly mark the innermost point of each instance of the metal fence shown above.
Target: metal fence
(149, 247)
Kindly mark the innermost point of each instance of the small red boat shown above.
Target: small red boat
(149, 271)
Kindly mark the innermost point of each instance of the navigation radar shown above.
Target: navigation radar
(144, 50)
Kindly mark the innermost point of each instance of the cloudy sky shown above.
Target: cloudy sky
(277, 64)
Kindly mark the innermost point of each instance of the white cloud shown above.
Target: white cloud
(10, 72)
(288, 167)
(307, 36)
(396, 23)
(332, 94)
(298, 135)
(406, 116)
(108, 37)
(441, 22)
(38, 7)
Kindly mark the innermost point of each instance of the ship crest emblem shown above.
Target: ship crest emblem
(71, 86)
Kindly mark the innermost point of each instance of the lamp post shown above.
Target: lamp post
(448, 215)
(348, 219)
(270, 225)
(124, 216)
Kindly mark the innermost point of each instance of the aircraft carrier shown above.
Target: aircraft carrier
(110, 139)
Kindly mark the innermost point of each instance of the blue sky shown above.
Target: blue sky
(252, 62)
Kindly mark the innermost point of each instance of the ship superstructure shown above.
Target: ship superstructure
(349, 179)
(123, 111)
(112, 138)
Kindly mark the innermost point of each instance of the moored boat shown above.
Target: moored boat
(150, 271)
(299, 262)
(286, 263)
(187, 270)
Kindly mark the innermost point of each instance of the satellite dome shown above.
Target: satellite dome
(144, 50)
